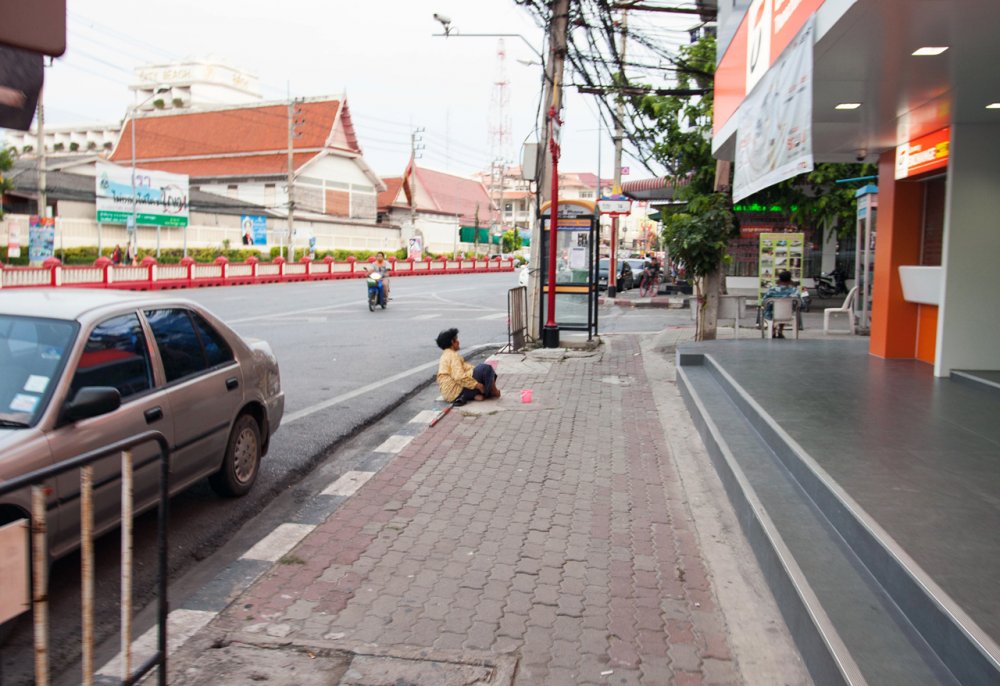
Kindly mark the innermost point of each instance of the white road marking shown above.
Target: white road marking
(393, 444)
(312, 409)
(426, 316)
(424, 417)
(273, 546)
(496, 315)
(348, 483)
(181, 625)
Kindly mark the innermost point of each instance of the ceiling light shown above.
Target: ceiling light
(993, 106)
(848, 106)
(929, 51)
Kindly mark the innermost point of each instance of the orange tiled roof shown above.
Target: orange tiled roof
(388, 197)
(223, 141)
(456, 195)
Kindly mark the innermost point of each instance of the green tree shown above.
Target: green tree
(696, 233)
(511, 240)
(6, 183)
(818, 200)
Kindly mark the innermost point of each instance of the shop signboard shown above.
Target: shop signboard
(924, 154)
(161, 198)
(779, 252)
(774, 135)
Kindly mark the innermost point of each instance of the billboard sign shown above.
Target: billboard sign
(41, 238)
(774, 137)
(254, 229)
(161, 199)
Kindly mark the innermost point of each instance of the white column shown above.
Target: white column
(968, 335)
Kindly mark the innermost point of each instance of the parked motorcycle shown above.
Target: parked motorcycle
(832, 284)
(805, 299)
(376, 291)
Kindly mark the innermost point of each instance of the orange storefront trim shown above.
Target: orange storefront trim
(927, 323)
(894, 320)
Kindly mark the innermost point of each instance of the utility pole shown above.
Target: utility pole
(291, 179)
(619, 133)
(559, 24)
(42, 194)
(553, 86)
(415, 146)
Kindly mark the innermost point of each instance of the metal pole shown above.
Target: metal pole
(42, 186)
(133, 232)
(291, 178)
(40, 575)
(550, 334)
(619, 132)
(126, 571)
(87, 570)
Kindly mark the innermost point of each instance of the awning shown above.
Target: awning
(661, 188)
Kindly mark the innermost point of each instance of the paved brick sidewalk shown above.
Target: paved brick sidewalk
(556, 531)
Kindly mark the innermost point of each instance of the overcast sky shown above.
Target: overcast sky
(381, 53)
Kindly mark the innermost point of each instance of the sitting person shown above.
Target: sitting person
(383, 268)
(460, 381)
(783, 289)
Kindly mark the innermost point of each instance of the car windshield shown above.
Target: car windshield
(32, 355)
(603, 264)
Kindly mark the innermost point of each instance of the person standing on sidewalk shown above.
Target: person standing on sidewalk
(458, 380)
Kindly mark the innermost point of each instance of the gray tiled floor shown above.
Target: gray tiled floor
(920, 454)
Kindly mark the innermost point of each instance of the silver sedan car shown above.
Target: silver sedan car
(82, 369)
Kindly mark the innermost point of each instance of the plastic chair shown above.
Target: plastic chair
(846, 310)
(783, 311)
(730, 307)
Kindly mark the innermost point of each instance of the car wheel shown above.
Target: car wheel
(242, 462)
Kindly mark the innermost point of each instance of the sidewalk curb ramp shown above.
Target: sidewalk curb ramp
(860, 609)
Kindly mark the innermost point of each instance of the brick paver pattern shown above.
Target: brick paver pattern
(557, 529)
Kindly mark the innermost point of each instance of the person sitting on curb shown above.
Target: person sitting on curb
(460, 381)
(783, 289)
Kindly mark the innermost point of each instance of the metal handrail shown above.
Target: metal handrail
(40, 562)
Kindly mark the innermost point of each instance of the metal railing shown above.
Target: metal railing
(40, 562)
(154, 276)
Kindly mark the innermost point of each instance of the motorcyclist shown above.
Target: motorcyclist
(382, 267)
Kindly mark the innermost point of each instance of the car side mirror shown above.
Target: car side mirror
(91, 401)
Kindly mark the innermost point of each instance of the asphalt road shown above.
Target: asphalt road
(343, 369)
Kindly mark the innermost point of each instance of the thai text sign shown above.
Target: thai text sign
(161, 199)
(924, 154)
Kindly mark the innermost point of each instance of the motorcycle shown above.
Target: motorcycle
(376, 291)
(805, 299)
(832, 284)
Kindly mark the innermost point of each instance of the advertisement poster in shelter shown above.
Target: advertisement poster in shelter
(779, 252)
(41, 238)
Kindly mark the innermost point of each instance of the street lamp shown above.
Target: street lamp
(133, 230)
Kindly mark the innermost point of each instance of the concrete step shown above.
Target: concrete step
(860, 609)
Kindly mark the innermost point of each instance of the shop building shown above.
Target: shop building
(906, 85)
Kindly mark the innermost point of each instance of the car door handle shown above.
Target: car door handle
(232, 383)
(153, 414)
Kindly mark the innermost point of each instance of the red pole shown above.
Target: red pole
(550, 333)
